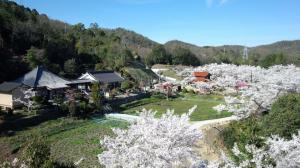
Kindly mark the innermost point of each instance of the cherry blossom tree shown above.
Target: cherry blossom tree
(264, 86)
(168, 141)
(278, 153)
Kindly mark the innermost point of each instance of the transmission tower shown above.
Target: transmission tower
(245, 53)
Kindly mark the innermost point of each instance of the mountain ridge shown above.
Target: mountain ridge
(28, 39)
(290, 48)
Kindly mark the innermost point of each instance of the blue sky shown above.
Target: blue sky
(201, 22)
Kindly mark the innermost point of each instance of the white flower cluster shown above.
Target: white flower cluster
(27, 101)
(263, 85)
(278, 153)
(15, 163)
(286, 153)
(168, 141)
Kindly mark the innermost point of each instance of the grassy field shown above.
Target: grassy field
(172, 74)
(181, 105)
(70, 139)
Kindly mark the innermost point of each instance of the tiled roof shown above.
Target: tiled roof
(80, 81)
(201, 74)
(107, 76)
(7, 87)
(40, 77)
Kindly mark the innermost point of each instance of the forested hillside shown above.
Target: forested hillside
(28, 39)
(207, 54)
(289, 50)
(141, 45)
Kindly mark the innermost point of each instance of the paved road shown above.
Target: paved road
(196, 124)
(129, 118)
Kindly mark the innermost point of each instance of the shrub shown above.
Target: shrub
(36, 153)
(126, 85)
(158, 95)
(191, 91)
(113, 93)
(64, 108)
(79, 96)
(73, 110)
(54, 164)
(58, 99)
(85, 109)
(82, 109)
(273, 59)
(184, 90)
(242, 133)
(38, 99)
(246, 131)
(5, 164)
(79, 109)
(96, 96)
(284, 117)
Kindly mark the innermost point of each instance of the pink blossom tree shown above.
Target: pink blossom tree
(168, 141)
(264, 86)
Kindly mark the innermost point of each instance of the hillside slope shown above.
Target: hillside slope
(290, 49)
(138, 43)
(28, 38)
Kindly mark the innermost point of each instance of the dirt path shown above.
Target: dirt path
(211, 123)
(210, 145)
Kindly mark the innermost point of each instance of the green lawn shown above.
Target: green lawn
(180, 105)
(70, 139)
(172, 74)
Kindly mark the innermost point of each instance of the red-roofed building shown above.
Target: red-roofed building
(201, 76)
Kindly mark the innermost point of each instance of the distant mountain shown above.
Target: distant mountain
(206, 54)
(28, 39)
(138, 43)
(290, 49)
(143, 46)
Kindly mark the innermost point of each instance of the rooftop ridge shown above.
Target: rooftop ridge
(104, 71)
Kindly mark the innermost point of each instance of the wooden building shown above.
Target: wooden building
(201, 76)
(40, 80)
(107, 79)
